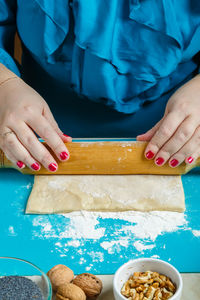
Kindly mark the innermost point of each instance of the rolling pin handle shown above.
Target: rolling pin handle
(1, 159)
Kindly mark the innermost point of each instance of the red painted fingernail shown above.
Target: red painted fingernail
(174, 162)
(190, 159)
(35, 166)
(64, 155)
(160, 161)
(53, 167)
(20, 164)
(66, 135)
(149, 154)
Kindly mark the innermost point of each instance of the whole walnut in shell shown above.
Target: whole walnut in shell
(60, 274)
(70, 291)
(90, 284)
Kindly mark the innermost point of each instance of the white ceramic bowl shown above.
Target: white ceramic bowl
(143, 265)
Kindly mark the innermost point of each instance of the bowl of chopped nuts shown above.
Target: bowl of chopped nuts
(147, 278)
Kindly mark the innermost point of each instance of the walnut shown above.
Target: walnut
(90, 284)
(60, 274)
(70, 291)
(148, 286)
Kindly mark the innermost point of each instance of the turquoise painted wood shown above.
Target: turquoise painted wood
(25, 236)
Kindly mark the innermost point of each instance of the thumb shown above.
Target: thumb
(147, 136)
(50, 118)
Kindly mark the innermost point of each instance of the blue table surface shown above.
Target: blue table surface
(21, 238)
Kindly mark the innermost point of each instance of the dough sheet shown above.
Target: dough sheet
(65, 193)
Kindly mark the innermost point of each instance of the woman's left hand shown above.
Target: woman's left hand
(176, 137)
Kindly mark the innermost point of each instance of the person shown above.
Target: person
(103, 69)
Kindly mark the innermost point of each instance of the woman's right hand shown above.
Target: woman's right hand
(23, 112)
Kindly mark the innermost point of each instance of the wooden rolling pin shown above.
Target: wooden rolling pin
(107, 157)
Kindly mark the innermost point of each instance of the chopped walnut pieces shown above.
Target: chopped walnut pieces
(141, 296)
(158, 295)
(170, 286)
(166, 294)
(155, 274)
(150, 293)
(163, 277)
(158, 279)
(148, 286)
(155, 285)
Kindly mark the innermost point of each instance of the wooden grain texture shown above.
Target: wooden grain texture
(106, 158)
(17, 49)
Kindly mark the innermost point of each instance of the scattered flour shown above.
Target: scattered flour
(97, 256)
(85, 225)
(126, 144)
(29, 185)
(113, 246)
(196, 233)
(141, 246)
(11, 231)
(89, 268)
(138, 230)
(82, 261)
(57, 184)
(79, 227)
(155, 256)
(73, 243)
(150, 225)
(58, 244)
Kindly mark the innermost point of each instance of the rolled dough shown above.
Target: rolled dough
(65, 193)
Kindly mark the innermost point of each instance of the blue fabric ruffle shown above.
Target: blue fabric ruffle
(7, 33)
(122, 53)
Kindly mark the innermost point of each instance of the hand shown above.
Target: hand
(23, 113)
(176, 137)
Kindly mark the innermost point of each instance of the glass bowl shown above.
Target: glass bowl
(10, 266)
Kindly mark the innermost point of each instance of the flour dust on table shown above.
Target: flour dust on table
(139, 230)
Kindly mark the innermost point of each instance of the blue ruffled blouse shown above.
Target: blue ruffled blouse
(122, 53)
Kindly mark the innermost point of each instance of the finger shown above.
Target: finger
(11, 158)
(19, 154)
(50, 136)
(189, 152)
(182, 135)
(66, 138)
(49, 116)
(164, 132)
(34, 147)
(149, 134)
